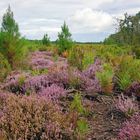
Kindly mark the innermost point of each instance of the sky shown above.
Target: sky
(88, 20)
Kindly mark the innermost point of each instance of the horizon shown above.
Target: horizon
(88, 21)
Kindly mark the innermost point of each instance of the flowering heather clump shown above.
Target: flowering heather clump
(39, 61)
(34, 117)
(126, 105)
(134, 90)
(91, 83)
(26, 117)
(2, 103)
(131, 129)
(91, 71)
(81, 81)
(60, 78)
(36, 83)
(59, 75)
(45, 60)
(53, 92)
(3, 97)
(14, 83)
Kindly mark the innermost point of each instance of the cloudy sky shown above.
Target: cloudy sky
(88, 20)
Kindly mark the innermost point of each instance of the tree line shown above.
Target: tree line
(128, 32)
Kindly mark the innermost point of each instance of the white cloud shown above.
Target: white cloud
(91, 20)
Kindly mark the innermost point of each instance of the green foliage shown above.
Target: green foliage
(128, 31)
(9, 25)
(4, 67)
(88, 58)
(74, 81)
(39, 72)
(76, 55)
(21, 80)
(11, 45)
(46, 40)
(124, 80)
(82, 126)
(64, 41)
(128, 72)
(77, 104)
(136, 51)
(105, 77)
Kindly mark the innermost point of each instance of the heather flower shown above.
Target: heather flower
(133, 90)
(15, 81)
(36, 83)
(130, 129)
(3, 97)
(91, 71)
(53, 92)
(40, 63)
(25, 117)
(59, 75)
(126, 105)
(60, 78)
(43, 60)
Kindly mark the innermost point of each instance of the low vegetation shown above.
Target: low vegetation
(69, 91)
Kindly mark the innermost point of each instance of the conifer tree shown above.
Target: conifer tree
(46, 40)
(64, 39)
(11, 44)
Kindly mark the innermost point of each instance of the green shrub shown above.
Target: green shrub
(136, 51)
(82, 126)
(46, 40)
(39, 72)
(21, 80)
(109, 52)
(76, 55)
(105, 77)
(4, 67)
(77, 104)
(128, 72)
(88, 58)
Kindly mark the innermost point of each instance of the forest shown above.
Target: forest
(65, 90)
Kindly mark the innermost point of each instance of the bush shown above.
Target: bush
(82, 127)
(136, 50)
(77, 104)
(76, 55)
(127, 105)
(4, 67)
(83, 57)
(133, 90)
(34, 117)
(88, 58)
(128, 72)
(28, 117)
(46, 40)
(131, 129)
(105, 77)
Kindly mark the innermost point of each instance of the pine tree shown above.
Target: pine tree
(64, 39)
(46, 40)
(9, 25)
(11, 44)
